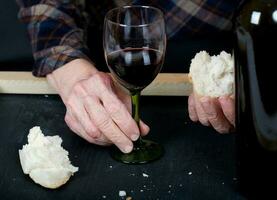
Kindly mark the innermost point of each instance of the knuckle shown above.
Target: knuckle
(78, 88)
(101, 78)
(116, 138)
(100, 82)
(114, 108)
(88, 99)
(70, 102)
(104, 123)
(97, 77)
(93, 133)
(202, 118)
(213, 116)
(129, 126)
(67, 119)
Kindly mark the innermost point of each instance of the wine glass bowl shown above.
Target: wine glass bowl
(134, 43)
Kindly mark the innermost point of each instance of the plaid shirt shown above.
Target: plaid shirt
(57, 28)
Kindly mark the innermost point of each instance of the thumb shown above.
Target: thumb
(144, 129)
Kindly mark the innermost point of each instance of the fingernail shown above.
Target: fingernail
(134, 137)
(128, 149)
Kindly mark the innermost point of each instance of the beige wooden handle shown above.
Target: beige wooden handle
(166, 84)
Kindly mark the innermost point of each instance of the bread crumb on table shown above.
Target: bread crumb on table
(145, 175)
(122, 193)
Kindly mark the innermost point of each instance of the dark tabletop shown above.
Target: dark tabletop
(198, 163)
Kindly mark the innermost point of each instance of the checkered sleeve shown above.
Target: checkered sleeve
(197, 16)
(56, 33)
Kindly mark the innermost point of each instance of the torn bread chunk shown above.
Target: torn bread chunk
(212, 75)
(45, 160)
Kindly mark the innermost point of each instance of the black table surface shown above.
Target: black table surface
(198, 163)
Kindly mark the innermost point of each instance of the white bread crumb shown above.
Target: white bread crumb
(122, 193)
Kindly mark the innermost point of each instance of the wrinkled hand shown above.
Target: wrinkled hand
(99, 111)
(217, 112)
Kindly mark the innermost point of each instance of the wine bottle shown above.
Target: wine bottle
(256, 98)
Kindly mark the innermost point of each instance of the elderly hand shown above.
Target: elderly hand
(217, 112)
(96, 108)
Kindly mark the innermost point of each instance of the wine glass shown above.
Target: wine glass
(134, 41)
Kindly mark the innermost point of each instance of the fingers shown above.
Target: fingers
(228, 108)
(105, 124)
(120, 115)
(144, 129)
(78, 119)
(113, 105)
(218, 112)
(191, 108)
(214, 114)
(202, 117)
(126, 100)
(76, 127)
(78, 111)
(123, 95)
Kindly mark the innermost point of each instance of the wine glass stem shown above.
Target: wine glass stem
(135, 113)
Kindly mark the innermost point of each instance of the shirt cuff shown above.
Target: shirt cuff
(58, 57)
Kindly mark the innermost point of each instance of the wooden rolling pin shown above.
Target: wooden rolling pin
(165, 84)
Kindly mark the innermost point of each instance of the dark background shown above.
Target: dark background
(15, 50)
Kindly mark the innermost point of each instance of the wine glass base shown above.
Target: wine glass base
(146, 152)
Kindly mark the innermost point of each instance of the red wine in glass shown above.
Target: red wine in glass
(135, 68)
